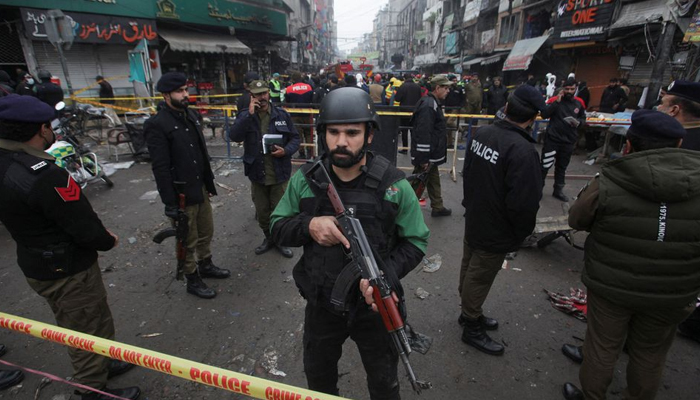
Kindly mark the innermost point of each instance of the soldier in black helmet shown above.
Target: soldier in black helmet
(389, 212)
(47, 91)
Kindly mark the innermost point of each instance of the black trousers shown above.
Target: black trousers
(405, 121)
(324, 335)
(559, 155)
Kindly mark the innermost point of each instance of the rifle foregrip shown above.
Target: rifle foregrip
(388, 310)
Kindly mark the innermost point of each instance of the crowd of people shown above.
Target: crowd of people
(641, 258)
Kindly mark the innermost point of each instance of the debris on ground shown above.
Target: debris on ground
(227, 187)
(422, 293)
(150, 335)
(432, 263)
(121, 165)
(150, 195)
(269, 362)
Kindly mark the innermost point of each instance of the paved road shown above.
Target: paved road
(259, 311)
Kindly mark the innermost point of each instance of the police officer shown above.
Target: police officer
(429, 141)
(179, 153)
(267, 161)
(301, 94)
(682, 102)
(565, 114)
(47, 91)
(275, 88)
(26, 86)
(11, 377)
(643, 212)
(58, 236)
(502, 191)
(390, 216)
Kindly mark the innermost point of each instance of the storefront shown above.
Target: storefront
(100, 47)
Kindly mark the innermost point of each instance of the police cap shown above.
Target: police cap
(257, 87)
(530, 97)
(171, 81)
(685, 89)
(655, 124)
(440, 80)
(27, 109)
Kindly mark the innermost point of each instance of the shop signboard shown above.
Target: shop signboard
(237, 15)
(91, 28)
(127, 8)
(583, 20)
(692, 34)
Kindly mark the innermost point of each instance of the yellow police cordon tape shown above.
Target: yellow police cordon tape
(201, 373)
(589, 121)
(156, 97)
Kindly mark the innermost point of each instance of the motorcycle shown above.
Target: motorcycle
(70, 154)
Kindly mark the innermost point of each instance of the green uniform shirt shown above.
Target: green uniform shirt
(409, 220)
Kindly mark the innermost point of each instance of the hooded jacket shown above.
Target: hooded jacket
(643, 248)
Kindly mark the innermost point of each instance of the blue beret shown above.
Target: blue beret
(655, 124)
(25, 109)
(171, 81)
(685, 89)
(530, 97)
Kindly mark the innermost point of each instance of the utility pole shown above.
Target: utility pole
(657, 74)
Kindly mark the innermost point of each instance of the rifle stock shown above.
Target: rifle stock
(179, 231)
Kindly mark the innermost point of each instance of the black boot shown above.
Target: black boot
(207, 269)
(116, 368)
(474, 335)
(131, 393)
(489, 324)
(571, 392)
(10, 378)
(574, 353)
(285, 251)
(264, 246)
(559, 193)
(197, 287)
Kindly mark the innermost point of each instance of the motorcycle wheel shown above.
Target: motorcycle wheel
(107, 181)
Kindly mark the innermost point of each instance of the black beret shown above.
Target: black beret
(530, 96)
(569, 82)
(685, 89)
(655, 124)
(251, 76)
(171, 81)
(27, 109)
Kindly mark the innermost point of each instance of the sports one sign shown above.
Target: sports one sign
(583, 20)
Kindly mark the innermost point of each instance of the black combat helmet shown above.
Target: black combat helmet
(346, 105)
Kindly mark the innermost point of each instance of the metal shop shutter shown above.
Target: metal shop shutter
(114, 60)
(596, 71)
(641, 74)
(81, 61)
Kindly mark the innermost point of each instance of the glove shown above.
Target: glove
(171, 212)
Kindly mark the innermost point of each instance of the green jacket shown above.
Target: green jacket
(644, 246)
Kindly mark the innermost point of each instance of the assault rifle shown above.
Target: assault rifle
(180, 231)
(422, 179)
(362, 259)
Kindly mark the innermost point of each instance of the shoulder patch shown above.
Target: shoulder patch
(69, 193)
(33, 164)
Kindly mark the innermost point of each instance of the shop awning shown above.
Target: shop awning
(203, 42)
(473, 61)
(492, 59)
(522, 53)
(637, 14)
(425, 59)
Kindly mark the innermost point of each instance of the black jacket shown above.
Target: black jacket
(613, 100)
(408, 94)
(178, 154)
(246, 129)
(558, 130)
(495, 98)
(456, 97)
(429, 134)
(49, 93)
(57, 232)
(243, 103)
(502, 187)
